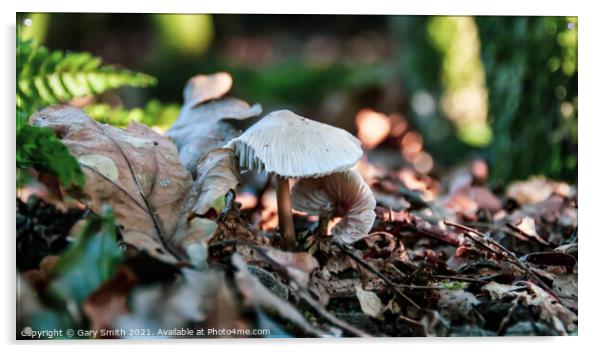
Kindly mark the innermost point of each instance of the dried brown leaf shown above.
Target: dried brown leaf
(136, 171)
(110, 300)
(299, 265)
(526, 227)
(537, 189)
(552, 311)
(204, 126)
(216, 174)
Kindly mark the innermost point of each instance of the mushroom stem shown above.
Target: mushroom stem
(323, 224)
(285, 215)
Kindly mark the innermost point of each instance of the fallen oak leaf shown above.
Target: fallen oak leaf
(469, 199)
(565, 285)
(537, 189)
(137, 172)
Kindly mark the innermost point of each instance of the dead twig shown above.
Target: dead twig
(460, 278)
(377, 273)
(507, 318)
(528, 236)
(304, 294)
(487, 243)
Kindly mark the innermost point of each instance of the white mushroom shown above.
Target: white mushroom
(291, 146)
(343, 194)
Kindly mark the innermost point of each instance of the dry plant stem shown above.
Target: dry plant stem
(497, 229)
(460, 278)
(285, 215)
(505, 253)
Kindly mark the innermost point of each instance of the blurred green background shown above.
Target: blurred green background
(499, 88)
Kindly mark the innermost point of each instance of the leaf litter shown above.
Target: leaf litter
(443, 258)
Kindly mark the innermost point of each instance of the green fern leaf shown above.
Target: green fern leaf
(40, 149)
(45, 77)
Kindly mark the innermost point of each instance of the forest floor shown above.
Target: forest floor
(463, 264)
(167, 239)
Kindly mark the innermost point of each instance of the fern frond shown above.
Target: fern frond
(47, 77)
(40, 149)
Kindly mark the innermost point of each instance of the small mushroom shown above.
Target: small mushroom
(344, 195)
(290, 146)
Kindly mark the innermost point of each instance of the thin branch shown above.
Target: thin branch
(486, 243)
(376, 272)
(460, 278)
(304, 294)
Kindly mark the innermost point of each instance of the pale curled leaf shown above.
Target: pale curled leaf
(369, 302)
(299, 265)
(527, 227)
(201, 88)
(136, 171)
(216, 174)
(203, 128)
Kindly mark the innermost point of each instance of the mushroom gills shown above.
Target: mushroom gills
(337, 193)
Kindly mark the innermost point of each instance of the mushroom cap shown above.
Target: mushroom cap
(343, 194)
(292, 146)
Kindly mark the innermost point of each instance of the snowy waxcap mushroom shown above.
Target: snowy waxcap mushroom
(344, 195)
(292, 146)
